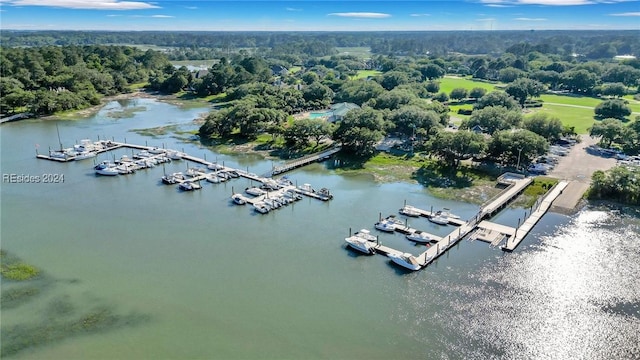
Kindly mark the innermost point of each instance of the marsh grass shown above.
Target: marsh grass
(14, 269)
(126, 113)
(20, 337)
(60, 317)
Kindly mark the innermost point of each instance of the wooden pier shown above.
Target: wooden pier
(541, 209)
(481, 229)
(303, 161)
(108, 145)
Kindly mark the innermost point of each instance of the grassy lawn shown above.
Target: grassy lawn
(363, 74)
(362, 52)
(295, 69)
(197, 63)
(571, 100)
(580, 118)
(449, 83)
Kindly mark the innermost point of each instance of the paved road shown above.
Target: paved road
(577, 167)
(579, 106)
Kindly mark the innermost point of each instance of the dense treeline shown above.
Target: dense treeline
(590, 44)
(44, 80)
(618, 184)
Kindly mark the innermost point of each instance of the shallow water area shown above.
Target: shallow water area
(190, 275)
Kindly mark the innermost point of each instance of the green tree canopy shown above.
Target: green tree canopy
(510, 146)
(615, 108)
(494, 118)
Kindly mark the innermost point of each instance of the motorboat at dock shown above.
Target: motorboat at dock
(405, 260)
(361, 244)
(409, 210)
(420, 237)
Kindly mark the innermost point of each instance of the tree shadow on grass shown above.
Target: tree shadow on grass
(439, 175)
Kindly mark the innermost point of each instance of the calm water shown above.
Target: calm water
(188, 275)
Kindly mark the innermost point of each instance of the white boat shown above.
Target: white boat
(366, 234)
(84, 155)
(213, 178)
(175, 155)
(124, 159)
(142, 154)
(126, 168)
(273, 204)
(106, 168)
(306, 188)
(62, 154)
(215, 166)
(419, 237)
(261, 207)
(292, 195)
(385, 225)
(441, 217)
(409, 210)
(189, 186)
(405, 260)
(361, 244)
(195, 171)
(255, 191)
(239, 199)
(173, 178)
(156, 150)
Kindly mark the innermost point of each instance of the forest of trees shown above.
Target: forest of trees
(402, 96)
(49, 79)
(590, 44)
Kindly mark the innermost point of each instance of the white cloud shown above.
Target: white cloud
(152, 16)
(85, 4)
(162, 16)
(420, 15)
(626, 14)
(370, 15)
(486, 19)
(292, 9)
(529, 19)
(191, 7)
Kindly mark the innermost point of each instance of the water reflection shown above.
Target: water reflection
(555, 300)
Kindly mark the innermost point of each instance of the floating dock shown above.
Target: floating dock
(484, 230)
(108, 145)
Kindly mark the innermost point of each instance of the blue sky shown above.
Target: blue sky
(319, 15)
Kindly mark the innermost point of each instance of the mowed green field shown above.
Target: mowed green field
(578, 117)
(576, 111)
(449, 83)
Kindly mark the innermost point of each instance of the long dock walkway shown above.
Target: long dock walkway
(303, 161)
(485, 230)
(535, 216)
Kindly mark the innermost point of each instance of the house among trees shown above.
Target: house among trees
(338, 111)
(279, 70)
(478, 129)
(200, 73)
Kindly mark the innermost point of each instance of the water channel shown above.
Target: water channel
(190, 275)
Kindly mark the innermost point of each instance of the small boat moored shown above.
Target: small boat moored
(358, 243)
(420, 237)
(385, 225)
(405, 260)
(238, 199)
(189, 185)
(409, 210)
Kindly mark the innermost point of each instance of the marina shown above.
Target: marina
(187, 260)
(477, 227)
(271, 194)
